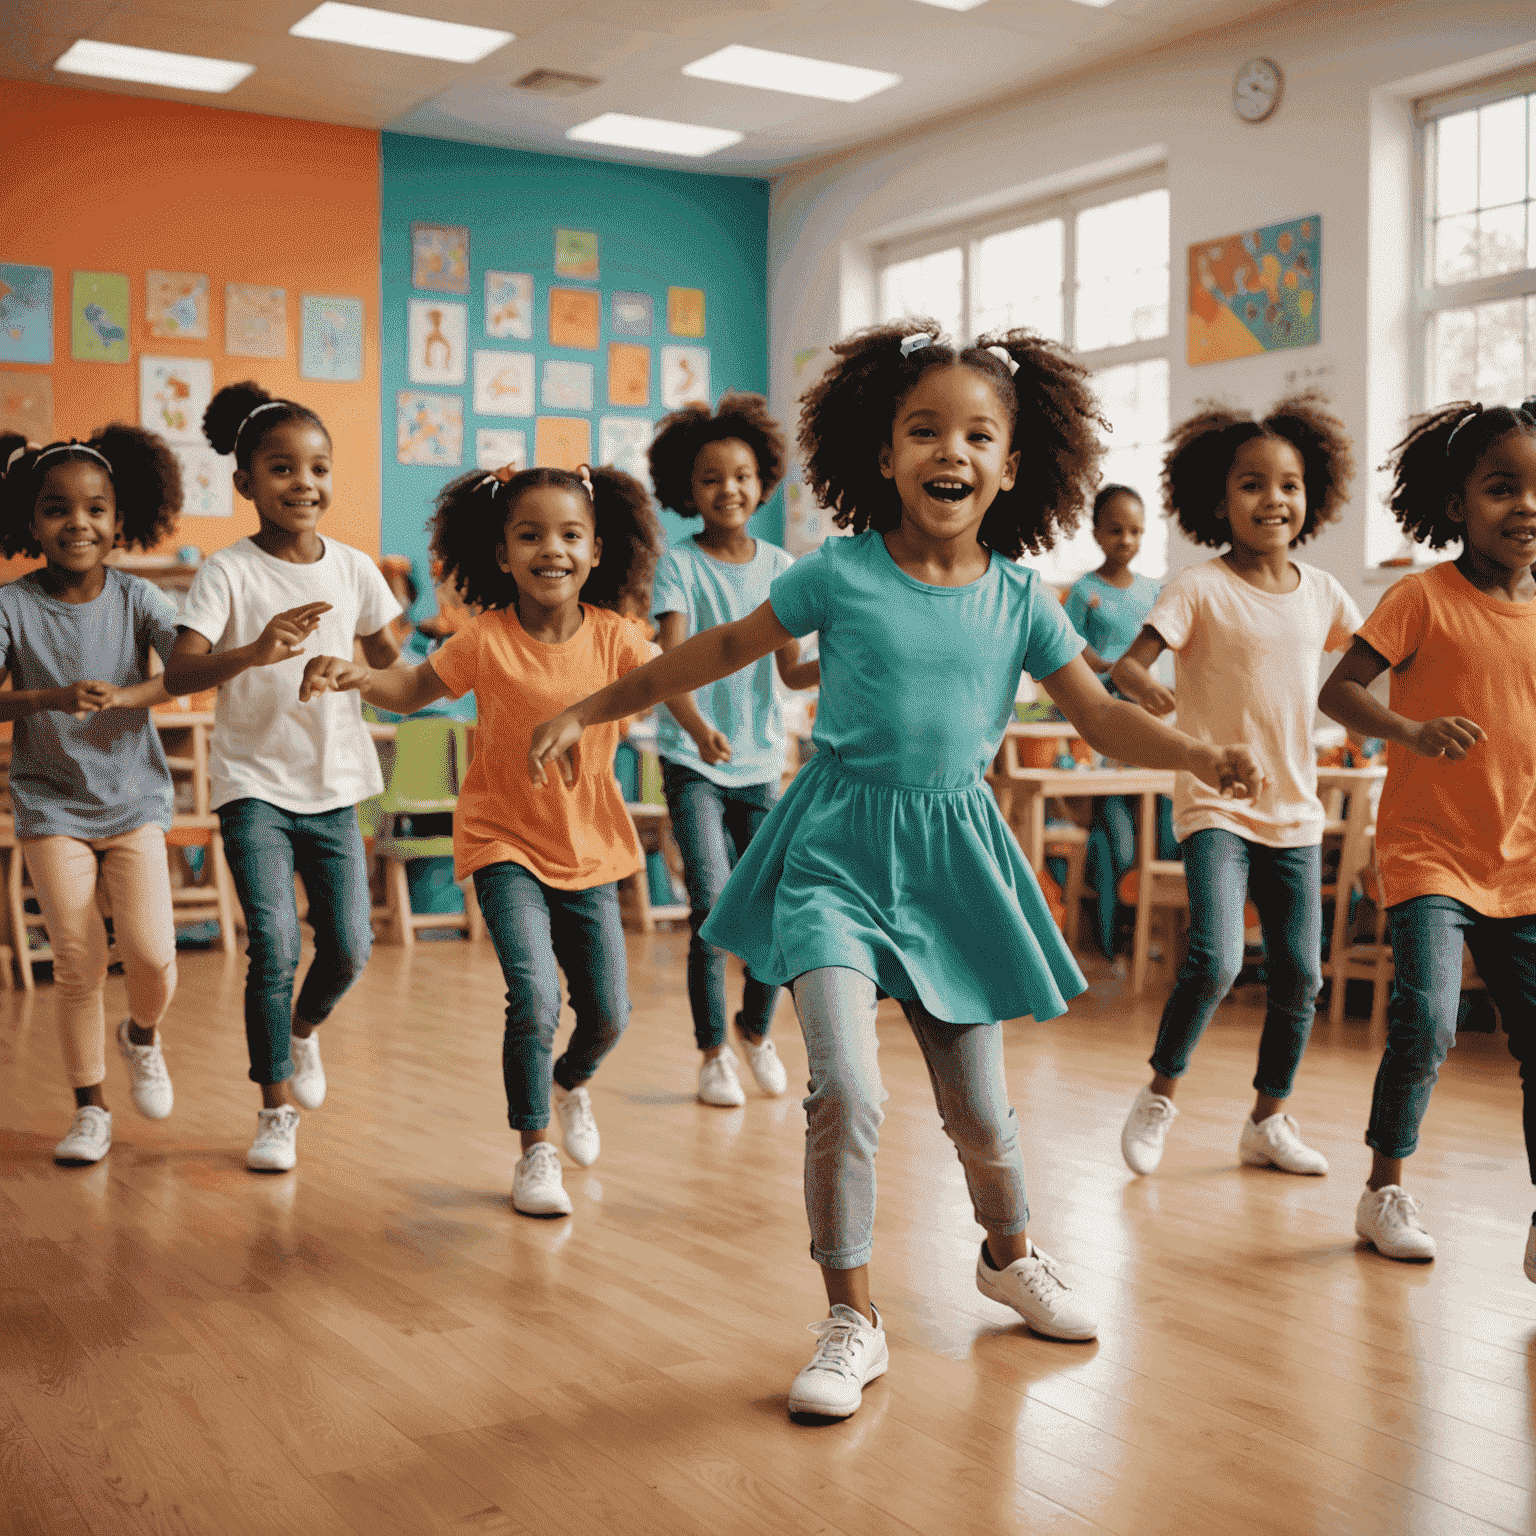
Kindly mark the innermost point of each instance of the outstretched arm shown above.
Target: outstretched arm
(793, 672)
(1345, 699)
(192, 666)
(1132, 674)
(400, 690)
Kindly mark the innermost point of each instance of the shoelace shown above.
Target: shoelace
(149, 1061)
(83, 1122)
(834, 1349)
(543, 1161)
(1402, 1208)
(581, 1117)
(1157, 1109)
(1044, 1283)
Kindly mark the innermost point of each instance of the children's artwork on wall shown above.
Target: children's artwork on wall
(173, 394)
(684, 376)
(206, 487)
(26, 404)
(629, 314)
(1258, 291)
(440, 257)
(429, 429)
(437, 337)
(331, 338)
(176, 305)
(509, 305)
(504, 383)
(98, 318)
(629, 373)
(255, 320)
(496, 447)
(567, 386)
(576, 254)
(685, 311)
(575, 318)
(26, 313)
(623, 441)
(562, 442)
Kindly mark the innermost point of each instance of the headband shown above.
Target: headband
(67, 448)
(17, 453)
(1005, 357)
(266, 405)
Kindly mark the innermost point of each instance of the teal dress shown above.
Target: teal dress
(887, 854)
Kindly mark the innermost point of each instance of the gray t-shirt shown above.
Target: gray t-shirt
(106, 774)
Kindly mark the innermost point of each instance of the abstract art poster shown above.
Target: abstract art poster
(629, 314)
(330, 337)
(173, 394)
(26, 313)
(566, 386)
(576, 254)
(501, 448)
(562, 442)
(206, 487)
(575, 318)
(429, 429)
(629, 373)
(440, 257)
(1257, 291)
(437, 337)
(255, 320)
(176, 305)
(26, 404)
(504, 383)
(685, 311)
(509, 305)
(684, 376)
(98, 318)
(624, 441)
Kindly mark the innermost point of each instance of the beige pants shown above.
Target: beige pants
(138, 882)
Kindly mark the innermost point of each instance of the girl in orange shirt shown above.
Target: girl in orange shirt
(552, 560)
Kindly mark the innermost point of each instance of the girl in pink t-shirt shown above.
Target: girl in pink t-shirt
(1248, 631)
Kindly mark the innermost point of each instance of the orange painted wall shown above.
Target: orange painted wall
(101, 183)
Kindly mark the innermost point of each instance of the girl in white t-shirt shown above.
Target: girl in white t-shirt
(286, 776)
(1248, 631)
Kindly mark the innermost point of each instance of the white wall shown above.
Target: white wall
(1339, 145)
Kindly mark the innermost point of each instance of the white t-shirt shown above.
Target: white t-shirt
(305, 758)
(1246, 672)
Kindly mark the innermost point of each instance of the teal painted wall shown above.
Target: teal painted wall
(655, 229)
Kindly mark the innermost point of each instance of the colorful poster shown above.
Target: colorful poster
(176, 305)
(497, 447)
(26, 313)
(575, 318)
(567, 386)
(509, 305)
(684, 376)
(562, 442)
(440, 257)
(98, 318)
(173, 394)
(629, 373)
(623, 441)
(26, 404)
(330, 338)
(576, 254)
(255, 320)
(437, 340)
(629, 314)
(504, 383)
(206, 488)
(685, 311)
(429, 429)
(1259, 291)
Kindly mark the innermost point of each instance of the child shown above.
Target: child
(551, 559)
(89, 782)
(1249, 629)
(887, 863)
(1456, 829)
(286, 777)
(722, 754)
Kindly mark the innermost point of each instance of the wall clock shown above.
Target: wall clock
(1256, 90)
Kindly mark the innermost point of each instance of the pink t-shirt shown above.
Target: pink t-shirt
(1246, 669)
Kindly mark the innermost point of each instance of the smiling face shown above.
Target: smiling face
(290, 476)
(1266, 501)
(1498, 502)
(75, 516)
(549, 545)
(726, 488)
(1118, 529)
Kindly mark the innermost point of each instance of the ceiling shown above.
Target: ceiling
(950, 61)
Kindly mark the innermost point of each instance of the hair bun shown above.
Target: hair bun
(228, 408)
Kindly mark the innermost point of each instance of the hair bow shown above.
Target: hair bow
(1005, 357)
(586, 479)
(915, 343)
(497, 478)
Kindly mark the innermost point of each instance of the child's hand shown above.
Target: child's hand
(714, 746)
(85, 698)
(330, 674)
(1157, 700)
(1449, 736)
(555, 740)
(1234, 771)
(285, 634)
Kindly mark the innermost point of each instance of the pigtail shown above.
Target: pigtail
(17, 457)
(240, 415)
(680, 436)
(633, 544)
(146, 479)
(1423, 475)
(467, 525)
(1327, 456)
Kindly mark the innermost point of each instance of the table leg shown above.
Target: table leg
(1141, 947)
(1034, 811)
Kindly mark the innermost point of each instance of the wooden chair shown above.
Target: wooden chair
(653, 827)
(209, 898)
(1065, 840)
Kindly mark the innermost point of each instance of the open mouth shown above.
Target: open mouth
(551, 575)
(947, 490)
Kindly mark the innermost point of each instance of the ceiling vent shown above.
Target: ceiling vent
(555, 82)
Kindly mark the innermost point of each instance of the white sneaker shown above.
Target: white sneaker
(1276, 1143)
(152, 1093)
(89, 1136)
(849, 1355)
(307, 1084)
(769, 1071)
(1145, 1130)
(536, 1186)
(1530, 1252)
(1033, 1287)
(718, 1083)
(1388, 1219)
(578, 1127)
(273, 1151)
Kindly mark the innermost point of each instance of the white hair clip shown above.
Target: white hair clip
(1005, 357)
(586, 480)
(915, 343)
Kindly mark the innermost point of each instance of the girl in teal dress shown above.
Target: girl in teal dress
(886, 864)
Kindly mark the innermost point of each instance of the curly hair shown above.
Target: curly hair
(230, 427)
(680, 436)
(1204, 448)
(846, 418)
(146, 483)
(471, 520)
(1107, 494)
(1432, 464)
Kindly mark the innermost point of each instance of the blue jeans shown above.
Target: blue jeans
(1222, 871)
(1427, 935)
(713, 823)
(534, 928)
(265, 846)
(1112, 851)
(843, 1115)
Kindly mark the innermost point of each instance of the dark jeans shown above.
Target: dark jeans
(1427, 935)
(1222, 871)
(265, 846)
(535, 927)
(1112, 851)
(713, 823)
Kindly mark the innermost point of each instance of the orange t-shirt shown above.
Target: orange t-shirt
(570, 837)
(1467, 829)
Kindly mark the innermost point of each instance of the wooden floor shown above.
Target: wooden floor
(377, 1344)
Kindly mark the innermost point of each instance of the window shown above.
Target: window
(1089, 270)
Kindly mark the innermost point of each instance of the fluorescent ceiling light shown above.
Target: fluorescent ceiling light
(148, 66)
(790, 72)
(653, 133)
(960, 5)
(365, 27)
